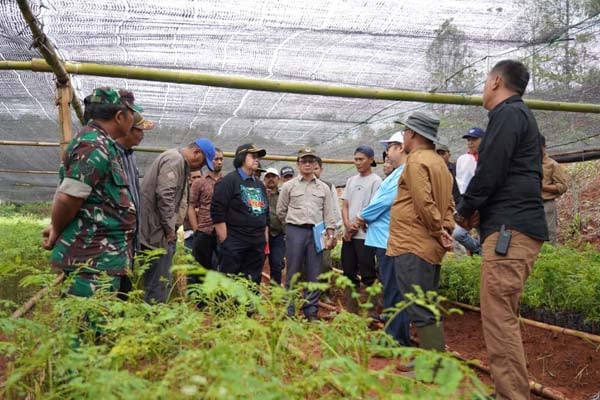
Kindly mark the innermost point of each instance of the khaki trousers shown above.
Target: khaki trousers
(502, 282)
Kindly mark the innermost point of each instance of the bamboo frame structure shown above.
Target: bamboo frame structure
(27, 171)
(52, 60)
(228, 154)
(238, 82)
(585, 155)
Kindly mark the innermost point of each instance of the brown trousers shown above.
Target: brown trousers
(502, 282)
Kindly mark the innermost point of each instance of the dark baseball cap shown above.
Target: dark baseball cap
(142, 123)
(474, 133)
(367, 151)
(287, 170)
(250, 148)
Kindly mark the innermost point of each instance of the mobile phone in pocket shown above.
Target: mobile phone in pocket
(503, 242)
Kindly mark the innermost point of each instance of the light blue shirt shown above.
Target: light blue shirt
(377, 213)
(244, 175)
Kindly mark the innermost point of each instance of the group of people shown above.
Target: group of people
(396, 230)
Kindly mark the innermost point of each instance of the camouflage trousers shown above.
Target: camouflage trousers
(85, 285)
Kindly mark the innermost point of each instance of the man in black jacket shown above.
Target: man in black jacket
(240, 212)
(506, 191)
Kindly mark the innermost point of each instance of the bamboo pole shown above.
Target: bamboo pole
(65, 94)
(27, 171)
(162, 149)
(52, 60)
(541, 325)
(239, 82)
(24, 309)
(534, 387)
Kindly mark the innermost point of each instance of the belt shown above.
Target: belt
(303, 226)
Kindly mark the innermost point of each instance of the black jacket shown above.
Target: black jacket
(507, 185)
(455, 191)
(242, 204)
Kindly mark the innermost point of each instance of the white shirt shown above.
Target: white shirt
(465, 170)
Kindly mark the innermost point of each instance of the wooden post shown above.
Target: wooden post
(63, 101)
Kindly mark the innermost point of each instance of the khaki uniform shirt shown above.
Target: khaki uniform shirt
(554, 174)
(423, 207)
(304, 201)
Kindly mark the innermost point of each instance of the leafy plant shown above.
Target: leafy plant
(563, 279)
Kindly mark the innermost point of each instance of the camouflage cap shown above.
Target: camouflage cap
(108, 95)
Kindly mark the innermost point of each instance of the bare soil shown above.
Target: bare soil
(561, 362)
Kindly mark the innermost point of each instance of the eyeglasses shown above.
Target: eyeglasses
(307, 160)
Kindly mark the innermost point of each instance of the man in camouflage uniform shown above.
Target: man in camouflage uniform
(93, 214)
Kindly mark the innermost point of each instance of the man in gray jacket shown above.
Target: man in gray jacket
(162, 192)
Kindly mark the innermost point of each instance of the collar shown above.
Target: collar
(512, 99)
(244, 175)
(97, 127)
(123, 148)
(422, 147)
(301, 178)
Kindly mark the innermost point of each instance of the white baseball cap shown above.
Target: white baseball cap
(397, 137)
(273, 171)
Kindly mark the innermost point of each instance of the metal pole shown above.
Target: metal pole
(237, 82)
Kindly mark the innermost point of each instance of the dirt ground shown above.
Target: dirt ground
(564, 363)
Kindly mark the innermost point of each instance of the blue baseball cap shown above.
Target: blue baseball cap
(474, 133)
(208, 148)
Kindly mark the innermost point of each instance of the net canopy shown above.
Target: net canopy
(421, 45)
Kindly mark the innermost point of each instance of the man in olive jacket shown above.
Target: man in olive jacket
(163, 188)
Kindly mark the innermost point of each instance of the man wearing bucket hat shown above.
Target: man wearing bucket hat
(163, 189)
(358, 260)
(92, 183)
(240, 212)
(421, 222)
(304, 202)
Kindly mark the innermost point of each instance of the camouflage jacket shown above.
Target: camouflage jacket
(101, 234)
